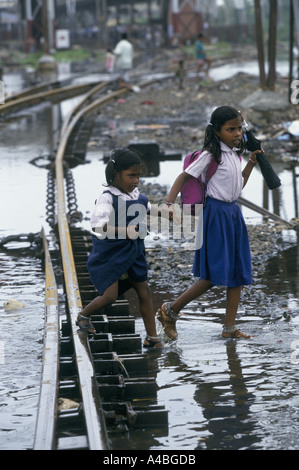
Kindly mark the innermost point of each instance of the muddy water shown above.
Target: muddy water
(220, 394)
(22, 208)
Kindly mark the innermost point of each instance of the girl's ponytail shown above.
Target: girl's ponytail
(212, 143)
(109, 172)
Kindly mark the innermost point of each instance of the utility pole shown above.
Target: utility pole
(272, 45)
(101, 15)
(48, 17)
(47, 64)
(260, 42)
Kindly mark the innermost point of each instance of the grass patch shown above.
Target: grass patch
(77, 54)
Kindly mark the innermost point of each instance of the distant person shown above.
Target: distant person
(124, 53)
(180, 73)
(201, 56)
(110, 61)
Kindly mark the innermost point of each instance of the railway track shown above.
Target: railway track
(96, 391)
(93, 389)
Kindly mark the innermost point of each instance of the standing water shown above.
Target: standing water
(220, 394)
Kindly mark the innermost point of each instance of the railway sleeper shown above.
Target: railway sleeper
(71, 430)
(69, 388)
(67, 366)
(117, 387)
(102, 324)
(134, 416)
(113, 364)
(73, 443)
(123, 343)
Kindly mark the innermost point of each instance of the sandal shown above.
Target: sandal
(234, 332)
(87, 325)
(153, 342)
(167, 317)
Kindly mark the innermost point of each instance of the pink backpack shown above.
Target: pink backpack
(194, 190)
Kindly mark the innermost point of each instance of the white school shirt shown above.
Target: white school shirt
(103, 206)
(227, 183)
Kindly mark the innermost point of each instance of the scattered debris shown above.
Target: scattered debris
(12, 304)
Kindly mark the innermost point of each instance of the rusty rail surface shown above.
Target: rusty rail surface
(31, 98)
(47, 408)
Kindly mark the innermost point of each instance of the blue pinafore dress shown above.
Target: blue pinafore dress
(112, 258)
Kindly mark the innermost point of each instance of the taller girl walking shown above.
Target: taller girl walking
(224, 258)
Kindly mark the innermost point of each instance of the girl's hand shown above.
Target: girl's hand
(132, 232)
(168, 211)
(254, 155)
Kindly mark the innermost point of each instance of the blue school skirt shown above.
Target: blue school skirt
(224, 258)
(111, 259)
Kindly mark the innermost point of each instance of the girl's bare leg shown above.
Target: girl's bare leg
(109, 296)
(196, 290)
(233, 298)
(168, 313)
(148, 315)
(233, 295)
(146, 307)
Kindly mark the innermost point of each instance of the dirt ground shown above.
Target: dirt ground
(177, 119)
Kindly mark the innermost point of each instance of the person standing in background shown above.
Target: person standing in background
(201, 56)
(124, 53)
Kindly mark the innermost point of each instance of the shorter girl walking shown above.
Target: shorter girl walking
(224, 258)
(117, 260)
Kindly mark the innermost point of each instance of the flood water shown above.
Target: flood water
(221, 394)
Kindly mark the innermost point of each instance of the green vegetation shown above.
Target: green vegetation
(77, 54)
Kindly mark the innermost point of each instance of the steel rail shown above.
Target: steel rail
(95, 424)
(47, 407)
(58, 94)
(262, 211)
(44, 86)
(84, 100)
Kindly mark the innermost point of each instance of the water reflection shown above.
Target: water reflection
(229, 394)
(21, 335)
(284, 269)
(226, 406)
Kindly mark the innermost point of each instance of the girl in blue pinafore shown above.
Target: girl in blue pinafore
(224, 258)
(117, 260)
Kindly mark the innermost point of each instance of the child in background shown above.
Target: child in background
(224, 258)
(181, 73)
(117, 260)
(110, 61)
(201, 56)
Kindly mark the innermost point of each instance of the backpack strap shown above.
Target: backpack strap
(213, 165)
